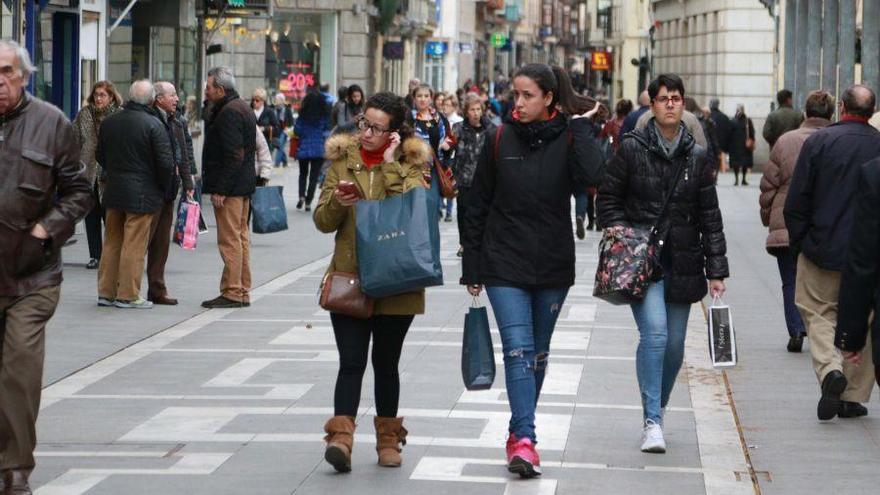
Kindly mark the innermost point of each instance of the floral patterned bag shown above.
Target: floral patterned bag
(628, 256)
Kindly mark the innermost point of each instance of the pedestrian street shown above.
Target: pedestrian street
(233, 401)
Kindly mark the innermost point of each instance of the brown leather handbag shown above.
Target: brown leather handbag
(448, 187)
(341, 293)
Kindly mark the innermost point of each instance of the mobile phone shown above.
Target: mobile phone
(349, 188)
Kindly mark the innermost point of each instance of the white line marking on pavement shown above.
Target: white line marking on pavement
(720, 448)
(236, 375)
(111, 364)
(581, 313)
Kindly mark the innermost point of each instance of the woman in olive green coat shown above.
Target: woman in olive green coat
(380, 160)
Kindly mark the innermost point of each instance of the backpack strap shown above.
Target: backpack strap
(498, 131)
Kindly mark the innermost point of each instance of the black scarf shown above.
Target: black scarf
(539, 132)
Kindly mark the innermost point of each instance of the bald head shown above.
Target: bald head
(644, 98)
(142, 92)
(858, 100)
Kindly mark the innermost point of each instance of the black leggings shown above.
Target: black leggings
(309, 171)
(353, 343)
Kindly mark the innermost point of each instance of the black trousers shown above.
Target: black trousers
(353, 342)
(93, 226)
(309, 171)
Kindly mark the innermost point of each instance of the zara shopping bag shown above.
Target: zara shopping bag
(722, 338)
(186, 228)
(477, 353)
(398, 244)
(267, 207)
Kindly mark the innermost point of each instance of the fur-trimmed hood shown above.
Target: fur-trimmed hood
(413, 150)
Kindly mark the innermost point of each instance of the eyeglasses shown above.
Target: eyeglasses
(363, 124)
(664, 100)
(101, 96)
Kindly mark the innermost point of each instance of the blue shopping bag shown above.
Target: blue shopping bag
(267, 207)
(398, 244)
(477, 353)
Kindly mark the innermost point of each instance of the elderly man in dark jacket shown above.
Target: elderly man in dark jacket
(783, 119)
(181, 149)
(819, 216)
(44, 192)
(228, 175)
(859, 296)
(135, 151)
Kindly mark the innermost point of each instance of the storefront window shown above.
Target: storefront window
(293, 54)
(8, 18)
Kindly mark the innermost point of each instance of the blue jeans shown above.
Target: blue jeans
(526, 319)
(662, 329)
(280, 156)
(788, 273)
(583, 206)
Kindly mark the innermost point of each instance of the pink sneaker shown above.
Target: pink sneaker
(522, 458)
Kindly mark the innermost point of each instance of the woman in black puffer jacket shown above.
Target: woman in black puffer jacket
(690, 239)
(518, 238)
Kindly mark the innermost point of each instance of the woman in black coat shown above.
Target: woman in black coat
(267, 120)
(741, 155)
(518, 239)
(652, 161)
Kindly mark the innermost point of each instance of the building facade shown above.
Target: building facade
(722, 49)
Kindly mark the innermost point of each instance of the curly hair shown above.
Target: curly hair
(395, 107)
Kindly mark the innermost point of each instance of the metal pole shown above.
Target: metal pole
(121, 17)
(871, 44)
(790, 44)
(802, 52)
(814, 45)
(846, 47)
(829, 46)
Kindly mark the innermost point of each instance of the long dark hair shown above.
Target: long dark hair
(314, 107)
(551, 78)
(354, 88)
(396, 108)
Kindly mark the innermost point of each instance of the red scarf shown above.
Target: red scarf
(854, 118)
(373, 158)
(516, 116)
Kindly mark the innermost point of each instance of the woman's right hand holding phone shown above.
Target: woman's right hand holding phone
(345, 194)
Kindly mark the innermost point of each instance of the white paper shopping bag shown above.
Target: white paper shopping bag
(722, 337)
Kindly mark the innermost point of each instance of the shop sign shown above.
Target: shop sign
(465, 48)
(498, 39)
(436, 48)
(295, 84)
(600, 60)
(392, 50)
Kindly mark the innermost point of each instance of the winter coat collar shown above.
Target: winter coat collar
(815, 123)
(648, 138)
(137, 107)
(413, 150)
(537, 133)
(484, 123)
(23, 102)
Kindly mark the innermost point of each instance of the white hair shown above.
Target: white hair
(142, 92)
(223, 78)
(163, 88)
(25, 67)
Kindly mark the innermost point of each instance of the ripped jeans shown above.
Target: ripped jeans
(526, 319)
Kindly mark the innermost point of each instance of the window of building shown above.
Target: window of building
(9, 11)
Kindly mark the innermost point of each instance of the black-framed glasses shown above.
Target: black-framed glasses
(363, 124)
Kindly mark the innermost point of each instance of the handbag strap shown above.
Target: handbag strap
(670, 193)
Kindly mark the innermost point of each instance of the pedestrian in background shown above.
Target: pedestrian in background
(267, 119)
(262, 160)
(742, 145)
(103, 101)
(472, 134)
(381, 160)
(39, 212)
(135, 152)
(228, 176)
(708, 128)
(783, 119)
(163, 222)
(819, 216)
(629, 123)
(432, 126)
(690, 240)
(450, 109)
(338, 108)
(775, 182)
(285, 121)
(611, 129)
(521, 200)
(352, 106)
(310, 128)
(722, 130)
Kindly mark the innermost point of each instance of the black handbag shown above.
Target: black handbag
(628, 256)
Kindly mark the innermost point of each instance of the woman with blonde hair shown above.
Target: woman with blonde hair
(102, 102)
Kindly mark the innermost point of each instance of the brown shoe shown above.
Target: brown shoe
(16, 483)
(163, 300)
(340, 441)
(390, 436)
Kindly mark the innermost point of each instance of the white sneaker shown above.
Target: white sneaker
(138, 303)
(104, 302)
(652, 438)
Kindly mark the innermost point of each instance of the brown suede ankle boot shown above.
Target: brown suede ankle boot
(340, 441)
(390, 436)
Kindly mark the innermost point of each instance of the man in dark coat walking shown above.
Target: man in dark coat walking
(819, 216)
(723, 126)
(858, 285)
(228, 175)
(783, 119)
(135, 153)
(45, 191)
